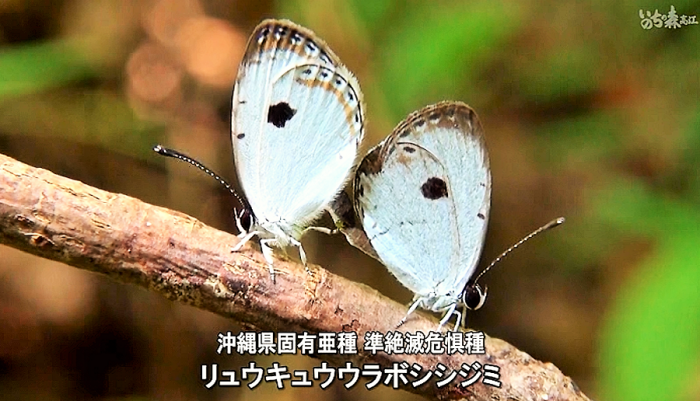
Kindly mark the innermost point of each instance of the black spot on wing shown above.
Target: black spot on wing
(264, 33)
(481, 216)
(434, 188)
(326, 59)
(240, 136)
(311, 46)
(279, 114)
(281, 31)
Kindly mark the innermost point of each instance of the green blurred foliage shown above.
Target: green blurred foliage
(33, 68)
(649, 343)
(431, 52)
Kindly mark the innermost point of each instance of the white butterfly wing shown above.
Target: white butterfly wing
(296, 123)
(423, 196)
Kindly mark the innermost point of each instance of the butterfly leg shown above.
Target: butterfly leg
(324, 230)
(244, 239)
(302, 254)
(267, 253)
(241, 231)
(412, 309)
(450, 311)
(464, 316)
(458, 322)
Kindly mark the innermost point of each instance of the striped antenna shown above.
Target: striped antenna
(548, 226)
(180, 156)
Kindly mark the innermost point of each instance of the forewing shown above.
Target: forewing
(297, 122)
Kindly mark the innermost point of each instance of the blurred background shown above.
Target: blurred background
(587, 115)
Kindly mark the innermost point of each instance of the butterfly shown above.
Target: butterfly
(422, 198)
(297, 121)
(296, 124)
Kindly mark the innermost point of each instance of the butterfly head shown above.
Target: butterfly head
(473, 297)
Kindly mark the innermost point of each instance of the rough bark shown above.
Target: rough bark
(179, 257)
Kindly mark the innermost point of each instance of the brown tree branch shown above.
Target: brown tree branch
(179, 257)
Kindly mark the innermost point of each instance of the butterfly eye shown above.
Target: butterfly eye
(247, 219)
(473, 297)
